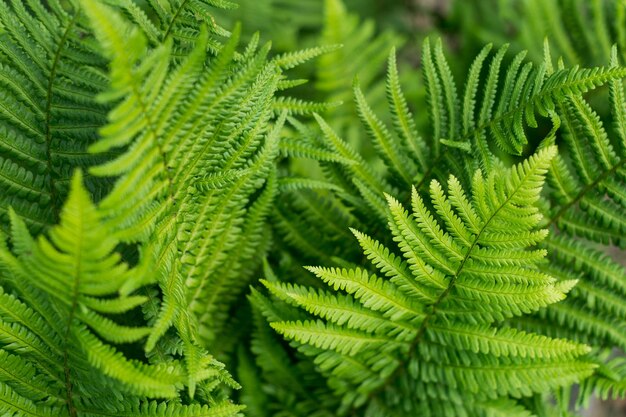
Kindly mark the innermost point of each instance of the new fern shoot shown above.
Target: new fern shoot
(196, 223)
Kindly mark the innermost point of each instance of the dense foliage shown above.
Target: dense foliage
(432, 226)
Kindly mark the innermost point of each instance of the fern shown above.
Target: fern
(184, 117)
(195, 122)
(584, 206)
(586, 209)
(179, 21)
(410, 158)
(60, 339)
(430, 325)
(299, 389)
(49, 77)
(477, 121)
(153, 154)
(363, 51)
(161, 102)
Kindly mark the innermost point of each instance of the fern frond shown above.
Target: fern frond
(49, 77)
(443, 298)
(507, 106)
(178, 21)
(608, 382)
(581, 193)
(161, 409)
(200, 137)
(503, 112)
(300, 390)
(386, 146)
(60, 340)
(299, 107)
(293, 59)
(586, 209)
(497, 105)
